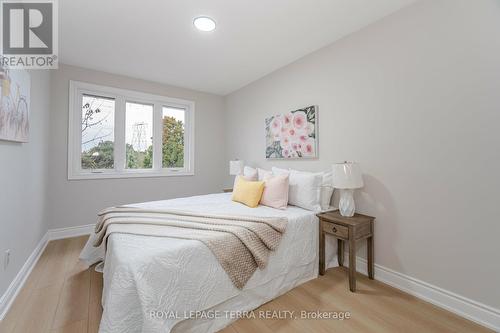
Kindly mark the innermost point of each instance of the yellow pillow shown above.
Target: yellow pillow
(247, 192)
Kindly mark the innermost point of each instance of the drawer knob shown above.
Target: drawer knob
(334, 229)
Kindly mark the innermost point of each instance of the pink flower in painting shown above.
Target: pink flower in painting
(287, 120)
(310, 128)
(286, 153)
(292, 134)
(307, 148)
(297, 134)
(285, 142)
(302, 138)
(276, 126)
(299, 120)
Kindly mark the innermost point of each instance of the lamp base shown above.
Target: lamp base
(346, 203)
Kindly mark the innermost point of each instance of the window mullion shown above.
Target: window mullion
(157, 137)
(187, 139)
(77, 128)
(119, 147)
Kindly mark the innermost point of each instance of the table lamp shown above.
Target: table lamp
(347, 177)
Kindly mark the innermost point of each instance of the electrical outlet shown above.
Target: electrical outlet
(6, 259)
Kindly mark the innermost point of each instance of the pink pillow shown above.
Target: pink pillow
(275, 191)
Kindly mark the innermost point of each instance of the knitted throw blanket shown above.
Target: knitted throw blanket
(241, 244)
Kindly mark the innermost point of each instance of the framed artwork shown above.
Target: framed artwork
(293, 134)
(14, 104)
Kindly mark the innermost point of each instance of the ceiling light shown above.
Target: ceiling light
(204, 23)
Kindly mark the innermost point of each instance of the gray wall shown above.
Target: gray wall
(415, 99)
(23, 184)
(76, 202)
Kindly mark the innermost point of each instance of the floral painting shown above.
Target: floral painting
(293, 134)
(14, 105)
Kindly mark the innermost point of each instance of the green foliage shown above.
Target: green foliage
(148, 158)
(173, 143)
(99, 157)
(274, 151)
(135, 159)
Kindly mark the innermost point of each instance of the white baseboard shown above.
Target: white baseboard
(69, 232)
(16, 285)
(480, 313)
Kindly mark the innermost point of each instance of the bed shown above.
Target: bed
(160, 284)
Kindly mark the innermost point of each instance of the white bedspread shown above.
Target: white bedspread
(152, 284)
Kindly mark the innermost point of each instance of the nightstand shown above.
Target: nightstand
(227, 190)
(346, 229)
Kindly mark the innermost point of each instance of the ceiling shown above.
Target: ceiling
(155, 40)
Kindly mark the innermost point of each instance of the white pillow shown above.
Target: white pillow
(326, 190)
(262, 174)
(250, 173)
(280, 171)
(304, 189)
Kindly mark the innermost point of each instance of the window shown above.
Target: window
(173, 137)
(138, 136)
(98, 134)
(115, 133)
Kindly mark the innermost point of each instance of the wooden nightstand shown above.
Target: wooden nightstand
(349, 229)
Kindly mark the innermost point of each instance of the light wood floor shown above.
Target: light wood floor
(62, 296)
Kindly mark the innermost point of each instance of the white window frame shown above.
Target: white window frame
(121, 96)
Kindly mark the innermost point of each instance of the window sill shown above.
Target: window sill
(129, 174)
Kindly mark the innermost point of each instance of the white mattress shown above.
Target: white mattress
(147, 279)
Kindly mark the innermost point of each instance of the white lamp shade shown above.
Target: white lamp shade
(235, 167)
(347, 175)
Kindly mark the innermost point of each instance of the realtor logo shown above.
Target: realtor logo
(29, 36)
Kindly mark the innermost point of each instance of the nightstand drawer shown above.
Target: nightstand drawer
(335, 229)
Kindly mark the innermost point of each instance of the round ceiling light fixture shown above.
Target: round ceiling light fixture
(204, 23)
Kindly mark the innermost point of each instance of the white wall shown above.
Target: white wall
(23, 184)
(414, 98)
(76, 202)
